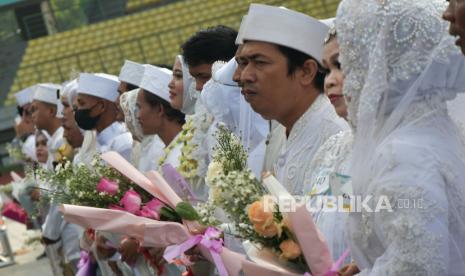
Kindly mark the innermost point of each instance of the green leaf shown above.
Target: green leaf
(186, 211)
(167, 214)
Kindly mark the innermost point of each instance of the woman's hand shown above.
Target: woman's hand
(129, 250)
(349, 270)
(103, 250)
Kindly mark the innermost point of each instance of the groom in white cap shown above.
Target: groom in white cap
(25, 127)
(96, 101)
(25, 140)
(280, 71)
(97, 96)
(46, 113)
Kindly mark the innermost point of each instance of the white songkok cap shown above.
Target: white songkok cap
(25, 96)
(283, 27)
(132, 72)
(47, 93)
(156, 81)
(99, 85)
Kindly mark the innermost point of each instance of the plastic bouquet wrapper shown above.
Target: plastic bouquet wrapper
(153, 183)
(251, 207)
(311, 242)
(150, 232)
(180, 236)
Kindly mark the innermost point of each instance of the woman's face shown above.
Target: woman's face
(41, 148)
(455, 14)
(148, 116)
(176, 86)
(335, 79)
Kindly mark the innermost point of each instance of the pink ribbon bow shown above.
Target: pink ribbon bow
(211, 240)
(336, 266)
(84, 266)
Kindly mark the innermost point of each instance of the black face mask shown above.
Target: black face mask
(84, 120)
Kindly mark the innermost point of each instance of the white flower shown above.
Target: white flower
(214, 170)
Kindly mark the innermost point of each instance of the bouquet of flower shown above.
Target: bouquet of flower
(102, 186)
(256, 217)
(178, 237)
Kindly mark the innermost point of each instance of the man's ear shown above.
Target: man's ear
(308, 72)
(161, 110)
(104, 105)
(53, 110)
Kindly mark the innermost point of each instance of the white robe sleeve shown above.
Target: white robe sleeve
(123, 145)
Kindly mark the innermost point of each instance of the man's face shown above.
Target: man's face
(201, 73)
(238, 71)
(42, 113)
(71, 130)
(455, 14)
(89, 102)
(68, 114)
(88, 111)
(26, 125)
(266, 85)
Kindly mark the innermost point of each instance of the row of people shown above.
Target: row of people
(359, 107)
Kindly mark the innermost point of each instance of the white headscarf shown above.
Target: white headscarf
(401, 67)
(70, 90)
(190, 95)
(128, 105)
(221, 96)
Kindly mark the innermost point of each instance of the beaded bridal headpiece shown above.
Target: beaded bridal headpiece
(386, 41)
(399, 63)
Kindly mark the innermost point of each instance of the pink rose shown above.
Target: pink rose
(107, 186)
(131, 201)
(152, 209)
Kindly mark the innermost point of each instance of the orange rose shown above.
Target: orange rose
(267, 231)
(257, 214)
(290, 249)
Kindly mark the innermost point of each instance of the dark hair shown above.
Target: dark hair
(130, 86)
(296, 59)
(171, 113)
(40, 133)
(209, 45)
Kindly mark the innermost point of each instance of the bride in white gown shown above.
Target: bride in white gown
(330, 165)
(401, 67)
